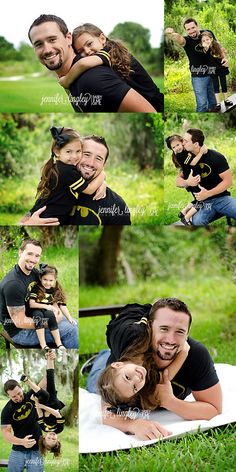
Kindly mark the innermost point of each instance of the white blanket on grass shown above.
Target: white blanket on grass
(96, 437)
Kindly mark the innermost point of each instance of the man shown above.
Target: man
(170, 321)
(13, 310)
(200, 72)
(19, 415)
(215, 179)
(111, 210)
(98, 89)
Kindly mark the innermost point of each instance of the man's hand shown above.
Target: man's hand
(145, 429)
(164, 390)
(202, 195)
(191, 181)
(27, 442)
(35, 220)
(169, 30)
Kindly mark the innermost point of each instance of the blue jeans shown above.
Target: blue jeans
(68, 333)
(31, 460)
(204, 93)
(98, 366)
(225, 206)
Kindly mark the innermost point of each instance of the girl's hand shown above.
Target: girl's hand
(64, 82)
(100, 192)
(186, 347)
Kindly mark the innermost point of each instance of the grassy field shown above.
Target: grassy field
(142, 191)
(37, 95)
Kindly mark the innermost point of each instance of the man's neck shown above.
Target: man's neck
(161, 364)
(66, 66)
(24, 270)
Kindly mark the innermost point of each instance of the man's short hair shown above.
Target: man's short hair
(45, 18)
(190, 20)
(174, 304)
(10, 385)
(98, 139)
(24, 243)
(197, 136)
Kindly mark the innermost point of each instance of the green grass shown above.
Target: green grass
(205, 452)
(27, 95)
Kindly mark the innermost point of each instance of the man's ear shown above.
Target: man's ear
(116, 365)
(69, 38)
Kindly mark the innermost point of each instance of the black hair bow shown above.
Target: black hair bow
(60, 138)
(42, 267)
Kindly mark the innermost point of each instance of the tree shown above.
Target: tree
(7, 51)
(136, 37)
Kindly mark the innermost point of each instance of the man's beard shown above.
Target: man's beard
(167, 356)
(85, 175)
(56, 66)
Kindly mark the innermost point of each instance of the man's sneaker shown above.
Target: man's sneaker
(24, 378)
(87, 366)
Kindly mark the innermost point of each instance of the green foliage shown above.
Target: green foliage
(7, 51)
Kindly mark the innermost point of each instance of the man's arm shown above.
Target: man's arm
(189, 182)
(221, 187)
(207, 405)
(35, 220)
(178, 38)
(143, 429)
(27, 441)
(134, 102)
(17, 314)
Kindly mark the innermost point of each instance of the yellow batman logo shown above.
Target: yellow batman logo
(23, 412)
(206, 169)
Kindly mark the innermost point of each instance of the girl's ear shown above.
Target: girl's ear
(116, 365)
(103, 39)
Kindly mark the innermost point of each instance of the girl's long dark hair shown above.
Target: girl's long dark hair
(56, 450)
(59, 295)
(216, 48)
(169, 140)
(49, 176)
(146, 397)
(120, 56)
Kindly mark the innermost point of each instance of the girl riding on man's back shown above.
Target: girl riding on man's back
(90, 41)
(61, 182)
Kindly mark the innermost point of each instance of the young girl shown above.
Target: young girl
(186, 161)
(48, 405)
(61, 182)
(218, 72)
(44, 298)
(89, 40)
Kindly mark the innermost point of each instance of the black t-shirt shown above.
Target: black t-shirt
(139, 80)
(111, 210)
(198, 60)
(33, 294)
(214, 64)
(126, 328)
(98, 89)
(184, 159)
(197, 373)
(13, 290)
(51, 423)
(65, 194)
(211, 165)
(23, 419)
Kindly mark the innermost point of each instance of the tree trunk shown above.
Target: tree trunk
(72, 411)
(106, 262)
